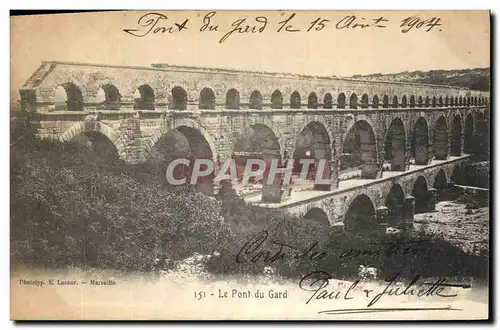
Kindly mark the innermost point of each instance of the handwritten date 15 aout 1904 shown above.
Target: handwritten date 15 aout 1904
(157, 23)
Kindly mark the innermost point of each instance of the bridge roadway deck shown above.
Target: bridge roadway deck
(304, 196)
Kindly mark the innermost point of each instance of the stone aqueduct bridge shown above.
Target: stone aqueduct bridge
(417, 128)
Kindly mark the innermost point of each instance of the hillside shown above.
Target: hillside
(475, 79)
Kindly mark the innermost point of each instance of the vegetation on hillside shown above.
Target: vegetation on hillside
(474, 79)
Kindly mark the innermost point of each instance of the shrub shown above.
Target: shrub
(69, 208)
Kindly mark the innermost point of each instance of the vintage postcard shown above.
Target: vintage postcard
(250, 165)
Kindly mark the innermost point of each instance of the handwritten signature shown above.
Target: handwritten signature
(156, 23)
(317, 284)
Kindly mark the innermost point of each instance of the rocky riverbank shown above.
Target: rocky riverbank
(465, 227)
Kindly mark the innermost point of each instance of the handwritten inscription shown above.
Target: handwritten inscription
(153, 23)
(260, 248)
(241, 26)
(416, 22)
(317, 284)
(353, 22)
(157, 23)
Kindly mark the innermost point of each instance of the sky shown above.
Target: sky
(461, 41)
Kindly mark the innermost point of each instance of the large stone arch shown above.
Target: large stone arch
(318, 120)
(196, 88)
(441, 139)
(314, 141)
(144, 97)
(277, 100)
(395, 203)
(99, 127)
(257, 136)
(341, 101)
(395, 144)
(421, 193)
(440, 101)
(375, 102)
(259, 141)
(182, 138)
(316, 226)
(385, 101)
(233, 99)
(361, 215)
(365, 102)
(312, 101)
(295, 100)
(458, 174)
(255, 101)
(178, 97)
(360, 142)
(328, 101)
(395, 102)
(135, 84)
(62, 82)
(111, 97)
(474, 113)
(420, 142)
(207, 99)
(441, 183)
(353, 101)
(427, 102)
(91, 89)
(469, 134)
(319, 215)
(265, 121)
(420, 102)
(72, 98)
(456, 136)
(412, 101)
(175, 124)
(404, 101)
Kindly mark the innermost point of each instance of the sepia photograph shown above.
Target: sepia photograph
(250, 165)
